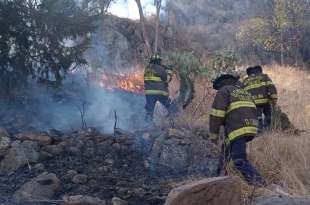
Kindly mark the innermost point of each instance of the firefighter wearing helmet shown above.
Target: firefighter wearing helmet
(156, 79)
(234, 109)
(264, 93)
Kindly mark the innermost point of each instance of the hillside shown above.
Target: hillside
(74, 119)
(282, 157)
(142, 167)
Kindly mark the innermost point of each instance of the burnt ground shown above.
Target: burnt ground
(115, 166)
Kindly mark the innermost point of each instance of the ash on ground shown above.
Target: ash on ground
(140, 168)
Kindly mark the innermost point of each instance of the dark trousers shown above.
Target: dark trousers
(266, 110)
(151, 102)
(236, 152)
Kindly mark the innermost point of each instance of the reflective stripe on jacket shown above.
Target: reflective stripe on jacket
(234, 108)
(261, 88)
(155, 80)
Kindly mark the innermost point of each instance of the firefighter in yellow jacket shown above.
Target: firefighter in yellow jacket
(156, 79)
(234, 109)
(264, 93)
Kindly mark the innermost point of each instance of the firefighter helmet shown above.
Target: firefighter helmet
(155, 58)
(254, 70)
(223, 76)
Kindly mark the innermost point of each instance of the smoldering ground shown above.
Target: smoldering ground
(42, 108)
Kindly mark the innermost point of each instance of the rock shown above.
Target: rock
(146, 164)
(5, 141)
(281, 200)
(80, 179)
(179, 155)
(20, 154)
(204, 157)
(211, 191)
(146, 136)
(54, 149)
(82, 200)
(38, 137)
(104, 169)
(43, 187)
(43, 140)
(109, 161)
(45, 155)
(4, 133)
(56, 135)
(176, 133)
(118, 201)
(73, 150)
(70, 174)
(87, 133)
(39, 167)
(168, 157)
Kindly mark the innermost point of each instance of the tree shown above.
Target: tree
(142, 22)
(97, 6)
(281, 33)
(41, 39)
(158, 6)
(187, 66)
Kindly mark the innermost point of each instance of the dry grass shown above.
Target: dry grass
(282, 158)
(197, 113)
(294, 93)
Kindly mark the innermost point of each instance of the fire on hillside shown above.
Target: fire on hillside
(129, 82)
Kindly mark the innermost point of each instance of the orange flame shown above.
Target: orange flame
(130, 82)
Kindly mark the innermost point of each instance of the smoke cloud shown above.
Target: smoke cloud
(43, 108)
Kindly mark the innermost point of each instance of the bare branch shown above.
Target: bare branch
(142, 22)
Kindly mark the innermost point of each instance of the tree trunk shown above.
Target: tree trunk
(282, 48)
(142, 22)
(158, 6)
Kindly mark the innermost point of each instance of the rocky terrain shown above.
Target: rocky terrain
(140, 168)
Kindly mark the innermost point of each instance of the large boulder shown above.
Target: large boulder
(211, 191)
(181, 152)
(20, 154)
(281, 200)
(43, 187)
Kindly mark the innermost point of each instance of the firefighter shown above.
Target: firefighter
(234, 109)
(156, 79)
(264, 94)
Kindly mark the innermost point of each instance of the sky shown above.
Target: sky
(128, 8)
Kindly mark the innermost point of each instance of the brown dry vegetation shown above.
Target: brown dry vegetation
(281, 157)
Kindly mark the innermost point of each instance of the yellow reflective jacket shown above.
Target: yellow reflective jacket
(261, 88)
(156, 79)
(234, 108)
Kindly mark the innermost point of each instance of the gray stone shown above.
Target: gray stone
(54, 149)
(20, 154)
(118, 201)
(80, 179)
(33, 136)
(281, 200)
(70, 174)
(4, 133)
(39, 167)
(211, 191)
(43, 187)
(5, 141)
(82, 200)
(176, 153)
